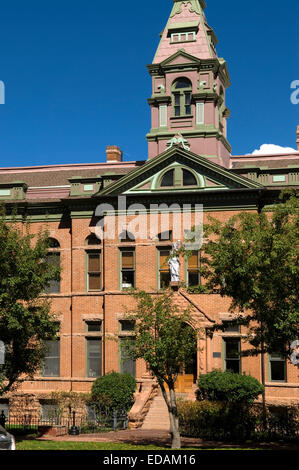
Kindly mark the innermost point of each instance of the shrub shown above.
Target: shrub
(216, 420)
(228, 386)
(116, 389)
(225, 421)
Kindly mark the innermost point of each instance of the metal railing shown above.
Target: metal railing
(113, 420)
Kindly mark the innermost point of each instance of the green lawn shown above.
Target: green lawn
(26, 444)
(32, 444)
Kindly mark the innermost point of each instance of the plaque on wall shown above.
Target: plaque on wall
(216, 354)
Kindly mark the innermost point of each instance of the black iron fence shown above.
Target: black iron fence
(27, 422)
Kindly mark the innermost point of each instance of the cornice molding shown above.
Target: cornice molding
(156, 100)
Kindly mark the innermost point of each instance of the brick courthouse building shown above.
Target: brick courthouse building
(189, 162)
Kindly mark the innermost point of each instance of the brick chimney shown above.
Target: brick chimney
(114, 154)
(297, 138)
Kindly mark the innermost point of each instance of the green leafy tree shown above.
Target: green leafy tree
(25, 316)
(164, 339)
(252, 258)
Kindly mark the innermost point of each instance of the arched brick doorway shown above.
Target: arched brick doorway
(188, 372)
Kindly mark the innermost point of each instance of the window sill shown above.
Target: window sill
(182, 42)
(281, 383)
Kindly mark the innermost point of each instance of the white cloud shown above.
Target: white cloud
(270, 149)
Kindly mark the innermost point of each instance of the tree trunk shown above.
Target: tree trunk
(176, 437)
(263, 382)
(173, 416)
(263, 376)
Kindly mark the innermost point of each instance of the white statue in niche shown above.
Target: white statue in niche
(174, 263)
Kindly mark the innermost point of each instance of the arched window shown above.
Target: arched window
(165, 236)
(126, 236)
(53, 243)
(53, 258)
(168, 179)
(179, 178)
(92, 240)
(181, 97)
(188, 178)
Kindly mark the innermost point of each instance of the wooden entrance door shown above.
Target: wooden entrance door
(187, 376)
(184, 383)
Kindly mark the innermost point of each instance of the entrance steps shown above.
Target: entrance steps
(158, 416)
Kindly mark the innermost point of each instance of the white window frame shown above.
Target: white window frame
(180, 36)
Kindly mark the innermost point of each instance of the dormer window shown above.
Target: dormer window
(181, 97)
(183, 31)
(182, 37)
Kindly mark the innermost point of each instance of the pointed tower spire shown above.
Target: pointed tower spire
(189, 83)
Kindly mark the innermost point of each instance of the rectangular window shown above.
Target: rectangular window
(200, 113)
(127, 325)
(93, 271)
(164, 271)
(49, 411)
(187, 102)
(127, 364)
(127, 269)
(51, 366)
(177, 104)
(93, 326)
(193, 267)
(232, 360)
(4, 192)
(277, 368)
(279, 178)
(87, 187)
(183, 37)
(53, 258)
(93, 357)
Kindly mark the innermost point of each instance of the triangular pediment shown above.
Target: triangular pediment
(180, 57)
(209, 176)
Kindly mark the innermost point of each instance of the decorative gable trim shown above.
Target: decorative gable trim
(188, 58)
(211, 170)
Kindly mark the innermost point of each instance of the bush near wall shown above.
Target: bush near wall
(117, 390)
(228, 386)
(237, 422)
(219, 421)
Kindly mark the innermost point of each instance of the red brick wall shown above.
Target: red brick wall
(74, 305)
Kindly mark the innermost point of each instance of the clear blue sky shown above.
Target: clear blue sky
(76, 78)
